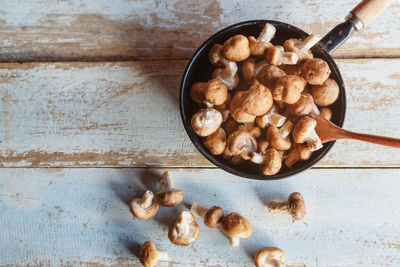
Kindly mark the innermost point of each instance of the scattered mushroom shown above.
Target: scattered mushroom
(235, 227)
(184, 231)
(294, 206)
(326, 113)
(168, 195)
(301, 48)
(144, 208)
(326, 93)
(288, 89)
(236, 48)
(242, 143)
(197, 92)
(299, 152)
(278, 138)
(215, 92)
(269, 74)
(304, 132)
(257, 100)
(206, 121)
(315, 71)
(216, 142)
(212, 216)
(236, 110)
(270, 257)
(149, 255)
(272, 117)
(276, 55)
(259, 46)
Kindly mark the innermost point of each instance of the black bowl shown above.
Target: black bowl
(199, 69)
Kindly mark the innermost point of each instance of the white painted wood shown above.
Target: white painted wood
(167, 29)
(126, 114)
(80, 217)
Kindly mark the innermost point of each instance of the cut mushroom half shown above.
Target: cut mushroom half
(270, 257)
(184, 231)
(259, 46)
(304, 132)
(149, 255)
(276, 55)
(301, 48)
(168, 196)
(235, 227)
(294, 206)
(144, 208)
(212, 216)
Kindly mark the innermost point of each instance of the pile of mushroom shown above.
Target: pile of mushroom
(253, 106)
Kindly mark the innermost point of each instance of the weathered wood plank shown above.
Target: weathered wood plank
(80, 216)
(126, 114)
(167, 29)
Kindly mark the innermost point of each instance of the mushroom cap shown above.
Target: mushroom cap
(236, 110)
(315, 71)
(326, 93)
(258, 48)
(229, 126)
(234, 225)
(292, 44)
(255, 131)
(269, 257)
(148, 254)
(297, 206)
(303, 128)
(326, 113)
(262, 146)
(248, 70)
(216, 92)
(303, 106)
(213, 216)
(136, 208)
(241, 142)
(215, 56)
(197, 92)
(275, 139)
(236, 48)
(184, 231)
(269, 74)
(273, 162)
(216, 142)
(257, 100)
(206, 121)
(169, 198)
(288, 89)
(292, 69)
(273, 54)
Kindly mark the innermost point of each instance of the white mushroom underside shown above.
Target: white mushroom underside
(312, 140)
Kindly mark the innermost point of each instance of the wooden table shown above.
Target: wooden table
(90, 118)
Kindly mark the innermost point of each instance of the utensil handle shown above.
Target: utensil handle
(368, 10)
(376, 139)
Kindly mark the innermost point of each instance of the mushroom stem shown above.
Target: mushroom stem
(234, 241)
(288, 58)
(308, 43)
(208, 104)
(166, 183)
(286, 129)
(147, 199)
(229, 72)
(276, 207)
(163, 256)
(267, 33)
(198, 210)
(315, 110)
(257, 158)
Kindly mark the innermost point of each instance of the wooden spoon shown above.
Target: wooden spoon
(327, 131)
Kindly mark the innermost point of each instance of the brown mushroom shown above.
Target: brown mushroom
(253, 130)
(229, 126)
(325, 94)
(315, 71)
(168, 196)
(276, 55)
(184, 231)
(301, 48)
(303, 106)
(269, 74)
(299, 152)
(236, 48)
(227, 75)
(294, 206)
(197, 92)
(292, 69)
(326, 113)
(259, 46)
(224, 108)
(149, 255)
(236, 110)
(278, 138)
(272, 117)
(235, 227)
(212, 216)
(215, 92)
(272, 163)
(304, 132)
(216, 142)
(250, 70)
(262, 146)
(216, 57)
(206, 121)
(144, 208)
(258, 100)
(288, 89)
(270, 257)
(242, 143)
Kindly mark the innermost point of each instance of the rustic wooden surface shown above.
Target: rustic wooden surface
(98, 88)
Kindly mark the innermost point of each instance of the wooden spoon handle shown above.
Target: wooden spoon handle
(367, 10)
(376, 139)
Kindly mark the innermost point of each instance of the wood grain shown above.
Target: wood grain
(167, 29)
(80, 216)
(126, 114)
